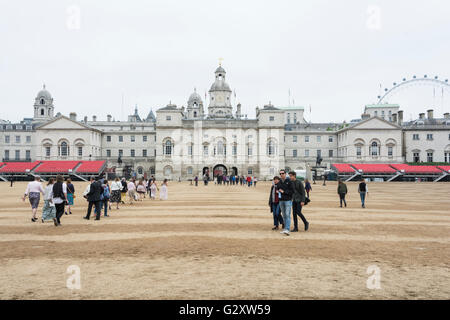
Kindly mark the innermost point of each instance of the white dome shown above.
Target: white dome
(194, 97)
(44, 94)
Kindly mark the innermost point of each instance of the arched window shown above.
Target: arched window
(270, 148)
(195, 114)
(168, 148)
(140, 170)
(42, 101)
(64, 149)
(42, 112)
(374, 149)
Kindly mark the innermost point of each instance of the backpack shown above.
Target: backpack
(106, 193)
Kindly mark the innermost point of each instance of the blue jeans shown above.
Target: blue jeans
(285, 207)
(277, 218)
(363, 198)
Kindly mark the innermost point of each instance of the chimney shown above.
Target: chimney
(365, 116)
(109, 117)
(94, 118)
(400, 117)
(447, 115)
(394, 118)
(430, 114)
(422, 116)
(238, 111)
(85, 119)
(73, 116)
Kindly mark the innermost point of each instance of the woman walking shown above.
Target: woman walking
(59, 198)
(124, 190)
(116, 197)
(131, 191)
(308, 187)
(153, 189)
(363, 191)
(49, 210)
(274, 204)
(164, 193)
(70, 195)
(33, 191)
(342, 191)
(141, 190)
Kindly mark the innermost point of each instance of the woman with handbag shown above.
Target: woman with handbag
(70, 195)
(33, 191)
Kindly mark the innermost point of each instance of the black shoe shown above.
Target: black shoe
(307, 226)
(55, 222)
(70, 212)
(42, 220)
(86, 218)
(275, 228)
(65, 213)
(98, 218)
(282, 226)
(294, 230)
(33, 219)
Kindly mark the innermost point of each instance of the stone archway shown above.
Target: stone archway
(234, 171)
(219, 169)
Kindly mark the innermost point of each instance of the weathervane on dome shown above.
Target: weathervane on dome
(220, 61)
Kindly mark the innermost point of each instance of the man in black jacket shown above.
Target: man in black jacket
(94, 196)
(286, 190)
(298, 201)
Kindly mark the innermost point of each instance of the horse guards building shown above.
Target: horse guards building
(180, 143)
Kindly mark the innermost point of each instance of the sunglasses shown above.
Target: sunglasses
(282, 172)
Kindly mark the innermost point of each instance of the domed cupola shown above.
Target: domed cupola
(43, 105)
(195, 106)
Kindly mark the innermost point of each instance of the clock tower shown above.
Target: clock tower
(220, 97)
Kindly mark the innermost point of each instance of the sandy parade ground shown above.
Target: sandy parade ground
(216, 242)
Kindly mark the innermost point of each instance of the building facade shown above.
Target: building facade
(186, 142)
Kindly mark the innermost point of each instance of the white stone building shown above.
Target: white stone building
(185, 142)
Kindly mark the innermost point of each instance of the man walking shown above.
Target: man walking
(93, 196)
(286, 190)
(363, 191)
(298, 201)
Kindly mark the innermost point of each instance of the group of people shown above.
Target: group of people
(230, 180)
(288, 194)
(59, 195)
(342, 191)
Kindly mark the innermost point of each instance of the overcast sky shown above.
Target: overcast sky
(332, 55)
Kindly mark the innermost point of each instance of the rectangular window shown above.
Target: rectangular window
(306, 153)
(294, 139)
(250, 171)
(47, 151)
(17, 154)
(7, 139)
(429, 156)
(108, 138)
(144, 138)
(330, 153)
(120, 153)
(294, 153)
(108, 153)
(249, 151)
(271, 118)
(6, 155)
(132, 138)
(390, 151)
(144, 153)
(80, 151)
(416, 157)
(120, 138)
(319, 152)
(27, 155)
(190, 150)
(429, 136)
(17, 139)
(358, 151)
(28, 139)
(415, 136)
(330, 138)
(288, 118)
(234, 150)
(447, 157)
(205, 151)
(306, 138)
(132, 153)
(168, 118)
(319, 138)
